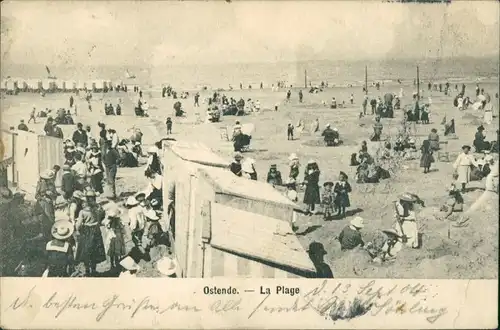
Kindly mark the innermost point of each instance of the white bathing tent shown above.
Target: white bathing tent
(34, 84)
(90, 85)
(20, 83)
(98, 84)
(48, 84)
(10, 85)
(60, 84)
(69, 85)
(80, 85)
(4, 84)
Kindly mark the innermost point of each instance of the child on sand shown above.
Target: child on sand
(115, 241)
(328, 200)
(342, 190)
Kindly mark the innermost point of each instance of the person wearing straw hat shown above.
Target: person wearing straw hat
(90, 249)
(130, 268)
(155, 235)
(328, 135)
(153, 163)
(115, 241)
(350, 237)
(45, 182)
(311, 181)
(59, 252)
(44, 211)
(235, 166)
(317, 252)
(248, 169)
(136, 219)
(167, 266)
(480, 143)
(294, 170)
(406, 221)
(463, 166)
(392, 245)
(454, 202)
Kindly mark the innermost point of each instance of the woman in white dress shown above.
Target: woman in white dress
(463, 166)
(488, 113)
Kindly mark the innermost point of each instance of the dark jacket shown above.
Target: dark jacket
(80, 137)
(111, 158)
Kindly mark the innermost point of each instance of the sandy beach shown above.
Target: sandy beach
(470, 253)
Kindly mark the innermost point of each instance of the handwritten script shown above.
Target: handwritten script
(332, 299)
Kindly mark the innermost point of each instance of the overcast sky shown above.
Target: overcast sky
(155, 33)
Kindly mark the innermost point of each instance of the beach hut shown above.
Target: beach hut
(60, 85)
(34, 85)
(98, 85)
(80, 85)
(90, 85)
(48, 85)
(3, 87)
(216, 204)
(69, 85)
(21, 84)
(11, 86)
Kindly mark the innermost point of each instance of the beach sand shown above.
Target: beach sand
(472, 252)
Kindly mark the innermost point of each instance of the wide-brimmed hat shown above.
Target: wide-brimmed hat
(480, 128)
(113, 212)
(167, 266)
(328, 183)
(238, 156)
(407, 197)
(311, 161)
(488, 158)
(293, 156)
(66, 167)
(274, 166)
(131, 201)
(486, 152)
(316, 248)
(343, 174)
(327, 125)
(62, 229)
(137, 143)
(391, 232)
(47, 175)
(129, 264)
(140, 195)
(465, 147)
(357, 222)
(90, 193)
(411, 141)
(237, 126)
(78, 194)
(151, 215)
(335, 129)
(152, 150)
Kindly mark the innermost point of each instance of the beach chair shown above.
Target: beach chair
(443, 155)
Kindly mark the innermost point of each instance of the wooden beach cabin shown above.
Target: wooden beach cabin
(98, 85)
(60, 85)
(48, 85)
(34, 85)
(69, 85)
(225, 225)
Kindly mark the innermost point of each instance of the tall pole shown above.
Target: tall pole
(418, 84)
(305, 78)
(366, 80)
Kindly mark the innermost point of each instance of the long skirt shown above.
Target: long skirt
(410, 230)
(463, 174)
(311, 195)
(90, 249)
(426, 160)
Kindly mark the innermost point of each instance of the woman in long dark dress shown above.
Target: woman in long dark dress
(59, 251)
(426, 159)
(311, 180)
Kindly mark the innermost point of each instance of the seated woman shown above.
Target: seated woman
(411, 152)
(479, 140)
(454, 202)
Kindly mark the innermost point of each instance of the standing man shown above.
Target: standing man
(48, 128)
(197, 99)
(32, 116)
(365, 104)
(71, 101)
(301, 96)
(111, 161)
(80, 136)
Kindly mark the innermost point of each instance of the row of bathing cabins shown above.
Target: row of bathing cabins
(15, 85)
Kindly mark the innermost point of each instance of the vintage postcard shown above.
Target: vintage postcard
(246, 164)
